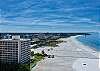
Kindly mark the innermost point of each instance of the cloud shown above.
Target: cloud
(50, 13)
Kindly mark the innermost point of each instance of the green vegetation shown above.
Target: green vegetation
(37, 57)
(53, 43)
(50, 43)
(32, 53)
(14, 67)
(24, 67)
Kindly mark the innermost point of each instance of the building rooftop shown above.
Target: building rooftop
(14, 39)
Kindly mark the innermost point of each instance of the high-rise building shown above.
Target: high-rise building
(15, 50)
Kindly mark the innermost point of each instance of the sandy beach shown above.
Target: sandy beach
(70, 56)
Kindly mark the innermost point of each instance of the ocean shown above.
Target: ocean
(92, 40)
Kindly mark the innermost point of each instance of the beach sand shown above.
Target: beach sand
(70, 56)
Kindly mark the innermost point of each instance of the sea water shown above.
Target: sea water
(92, 40)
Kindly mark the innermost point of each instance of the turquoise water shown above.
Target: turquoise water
(92, 40)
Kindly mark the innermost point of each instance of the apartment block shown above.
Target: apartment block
(15, 50)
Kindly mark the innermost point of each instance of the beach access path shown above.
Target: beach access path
(70, 55)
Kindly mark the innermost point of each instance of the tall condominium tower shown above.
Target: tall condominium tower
(15, 50)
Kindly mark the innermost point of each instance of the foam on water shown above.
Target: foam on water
(92, 40)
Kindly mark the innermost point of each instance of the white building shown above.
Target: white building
(15, 50)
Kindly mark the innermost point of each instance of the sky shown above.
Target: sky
(49, 15)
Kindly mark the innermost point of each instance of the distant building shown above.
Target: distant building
(15, 50)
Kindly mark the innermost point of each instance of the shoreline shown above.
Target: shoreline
(95, 52)
(66, 55)
(90, 46)
(90, 49)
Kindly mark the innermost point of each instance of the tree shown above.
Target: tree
(32, 53)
